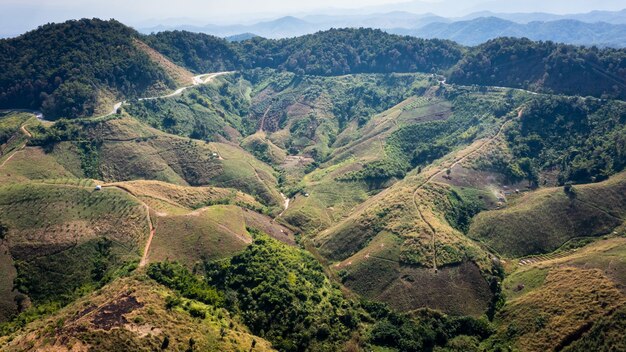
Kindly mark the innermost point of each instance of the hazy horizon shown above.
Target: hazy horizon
(17, 17)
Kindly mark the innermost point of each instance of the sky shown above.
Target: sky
(17, 16)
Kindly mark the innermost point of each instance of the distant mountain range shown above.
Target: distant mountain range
(601, 28)
(481, 29)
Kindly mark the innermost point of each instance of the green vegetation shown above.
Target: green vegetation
(178, 278)
(283, 295)
(543, 221)
(581, 138)
(202, 113)
(544, 66)
(66, 81)
(402, 189)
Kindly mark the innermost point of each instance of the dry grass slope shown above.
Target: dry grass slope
(130, 314)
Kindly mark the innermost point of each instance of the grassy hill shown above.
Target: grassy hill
(121, 149)
(573, 302)
(543, 221)
(62, 238)
(132, 314)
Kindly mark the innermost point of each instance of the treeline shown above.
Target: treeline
(544, 66)
(332, 52)
(282, 294)
(518, 63)
(64, 69)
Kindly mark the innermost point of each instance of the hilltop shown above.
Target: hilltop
(345, 190)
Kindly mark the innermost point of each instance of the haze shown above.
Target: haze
(19, 16)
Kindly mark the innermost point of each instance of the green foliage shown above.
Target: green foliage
(282, 294)
(378, 171)
(544, 66)
(200, 114)
(584, 139)
(422, 331)
(420, 144)
(464, 204)
(200, 53)
(337, 52)
(178, 278)
(81, 57)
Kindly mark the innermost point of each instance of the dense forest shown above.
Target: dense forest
(63, 68)
(583, 139)
(518, 63)
(544, 66)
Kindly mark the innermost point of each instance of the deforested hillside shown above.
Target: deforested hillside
(331, 192)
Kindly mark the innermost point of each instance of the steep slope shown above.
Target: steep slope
(63, 237)
(132, 314)
(52, 68)
(401, 238)
(567, 303)
(121, 149)
(542, 221)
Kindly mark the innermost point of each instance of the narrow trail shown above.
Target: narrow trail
(263, 118)
(152, 229)
(286, 204)
(443, 169)
(196, 81)
(21, 147)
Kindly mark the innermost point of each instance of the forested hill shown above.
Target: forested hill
(332, 52)
(545, 66)
(65, 69)
(518, 63)
(74, 68)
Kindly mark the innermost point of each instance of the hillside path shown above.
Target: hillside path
(152, 229)
(442, 170)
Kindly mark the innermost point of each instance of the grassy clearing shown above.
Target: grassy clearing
(183, 198)
(32, 164)
(211, 233)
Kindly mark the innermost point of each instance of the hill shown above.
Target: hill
(63, 238)
(135, 313)
(482, 29)
(122, 149)
(543, 221)
(573, 302)
(544, 66)
(52, 68)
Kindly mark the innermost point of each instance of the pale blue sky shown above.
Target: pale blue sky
(16, 16)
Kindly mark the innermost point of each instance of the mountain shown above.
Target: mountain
(600, 28)
(543, 66)
(347, 190)
(612, 17)
(482, 29)
(50, 68)
(283, 27)
(241, 37)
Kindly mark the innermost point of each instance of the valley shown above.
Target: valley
(254, 197)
